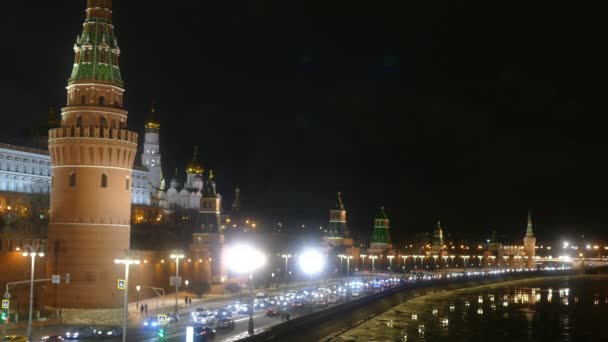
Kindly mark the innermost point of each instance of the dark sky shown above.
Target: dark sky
(465, 112)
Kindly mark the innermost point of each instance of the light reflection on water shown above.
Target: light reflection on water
(554, 309)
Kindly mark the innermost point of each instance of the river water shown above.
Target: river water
(573, 308)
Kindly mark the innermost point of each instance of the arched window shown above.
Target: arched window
(102, 100)
(104, 180)
(79, 121)
(103, 121)
(73, 179)
(83, 100)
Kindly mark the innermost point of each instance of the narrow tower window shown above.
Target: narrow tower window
(83, 100)
(102, 100)
(73, 179)
(103, 121)
(104, 180)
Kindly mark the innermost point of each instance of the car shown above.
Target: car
(223, 313)
(273, 311)
(205, 318)
(321, 303)
(333, 299)
(52, 338)
(110, 332)
(79, 333)
(297, 303)
(234, 306)
(151, 322)
(261, 295)
(172, 317)
(200, 310)
(13, 338)
(245, 309)
(260, 304)
(203, 333)
(225, 323)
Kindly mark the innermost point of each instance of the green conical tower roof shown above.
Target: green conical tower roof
(381, 233)
(96, 49)
(529, 231)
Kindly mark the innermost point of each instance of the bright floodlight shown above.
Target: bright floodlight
(311, 261)
(244, 259)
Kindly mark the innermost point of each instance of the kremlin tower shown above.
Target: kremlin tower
(530, 243)
(381, 235)
(92, 156)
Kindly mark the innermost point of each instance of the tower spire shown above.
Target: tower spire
(340, 204)
(529, 230)
(236, 205)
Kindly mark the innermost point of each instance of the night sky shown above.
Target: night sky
(468, 113)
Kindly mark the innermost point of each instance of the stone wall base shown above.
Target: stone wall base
(92, 316)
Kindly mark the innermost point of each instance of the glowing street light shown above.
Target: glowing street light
(32, 252)
(127, 261)
(373, 258)
(390, 263)
(363, 256)
(244, 259)
(286, 256)
(311, 262)
(176, 256)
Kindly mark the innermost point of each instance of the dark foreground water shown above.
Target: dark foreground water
(555, 309)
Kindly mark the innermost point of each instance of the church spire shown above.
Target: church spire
(194, 166)
(153, 117)
(529, 231)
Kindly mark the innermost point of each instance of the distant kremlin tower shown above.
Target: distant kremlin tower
(92, 156)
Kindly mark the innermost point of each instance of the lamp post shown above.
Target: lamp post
(128, 260)
(32, 252)
(176, 256)
(286, 256)
(363, 256)
(404, 257)
(311, 262)
(244, 259)
(223, 280)
(390, 263)
(373, 258)
(348, 257)
(137, 302)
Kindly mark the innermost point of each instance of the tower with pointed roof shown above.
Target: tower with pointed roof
(337, 227)
(151, 158)
(194, 173)
(437, 244)
(208, 233)
(381, 235)
(530, 243)
(92, 156)
(236, 205)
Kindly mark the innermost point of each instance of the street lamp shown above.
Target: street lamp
(390, 263)
(128, 260)
(311, 262)
(223, 279)
(137, 303)
(373, 258)
(244, 260)
(404, 257)
(348, 257)
(286, 256)
(363, 256)
(176, 256)
(32, 252)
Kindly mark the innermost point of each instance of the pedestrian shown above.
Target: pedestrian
(186, 300)
(141, 308)
(146, 309)
(287, 316)
(190, 301)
